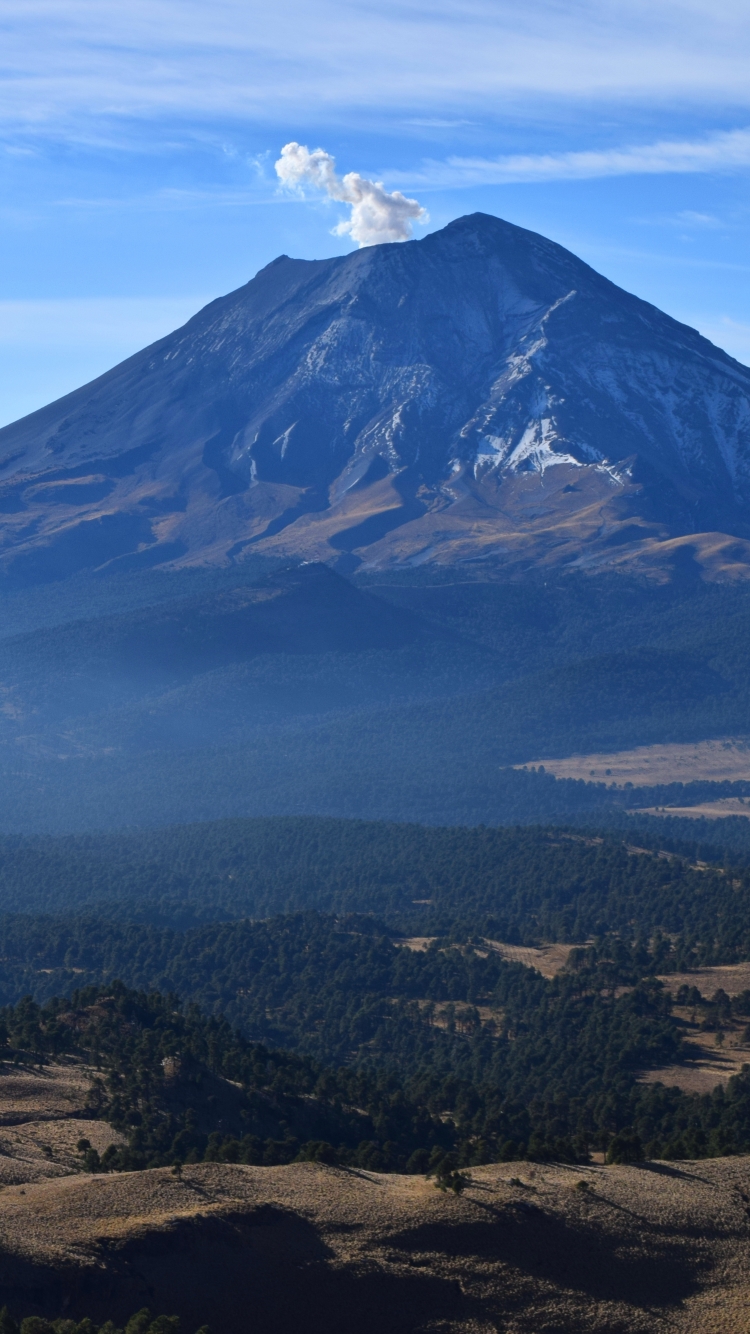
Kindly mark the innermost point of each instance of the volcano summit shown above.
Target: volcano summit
(481, 393)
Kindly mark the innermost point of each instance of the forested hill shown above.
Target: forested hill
(414, 1081)
(353, 978)
(519, 885)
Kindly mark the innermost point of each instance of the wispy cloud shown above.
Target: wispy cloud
(71, 66)
(688, 217)
(171, 200)
(720, 152)
(436, 123)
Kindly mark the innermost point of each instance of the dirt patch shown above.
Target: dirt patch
(458, 1016)
(549, 960)
(727, 759)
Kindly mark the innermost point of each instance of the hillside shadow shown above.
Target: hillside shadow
(269, 1271)
(635, 1266)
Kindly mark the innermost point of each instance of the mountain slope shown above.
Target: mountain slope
(481, 392)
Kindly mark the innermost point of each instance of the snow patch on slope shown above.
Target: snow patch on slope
(533, 453)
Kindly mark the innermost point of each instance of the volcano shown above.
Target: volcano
(481, 394)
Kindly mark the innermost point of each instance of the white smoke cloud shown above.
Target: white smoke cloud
(377, 215)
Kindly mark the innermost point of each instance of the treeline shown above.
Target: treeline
(143, 1322)
(521, 885)
(340, 989)
(320, 984)
(724, 841)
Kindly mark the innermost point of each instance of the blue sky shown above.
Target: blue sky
(138, 141)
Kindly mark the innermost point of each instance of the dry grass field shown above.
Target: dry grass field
(549, 960)
(708, 810)
(525, 1250)
(730, 977)
(709, 1063)
(725, 759)
(43, 1115)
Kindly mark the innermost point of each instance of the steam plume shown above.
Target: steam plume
(376, 214)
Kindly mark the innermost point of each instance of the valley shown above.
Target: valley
(292, 690)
